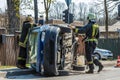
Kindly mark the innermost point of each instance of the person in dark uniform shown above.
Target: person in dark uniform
(41, 21)
(92, 34)
(27, 25)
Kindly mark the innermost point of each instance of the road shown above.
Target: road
(108, 73)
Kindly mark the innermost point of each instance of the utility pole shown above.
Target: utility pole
(36, 11)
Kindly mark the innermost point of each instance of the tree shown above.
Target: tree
(14, 9)
(13, 15)
(106, 18)
(26, 5)
(47, 4)
(73, 10)
(82, 7)
(56, 10)
(108, 8)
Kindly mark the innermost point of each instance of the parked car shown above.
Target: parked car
(103, 53)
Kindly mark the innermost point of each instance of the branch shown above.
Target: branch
(102, 11)
(99, 1)
(49, 3)
(97, 4)
(45, 4)
(114, 5)
(109, 2)
(112, 9)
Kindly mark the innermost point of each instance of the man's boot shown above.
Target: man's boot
(90, 72)
(21, 64)
(97, 63)
(100, 68)
(91, 69)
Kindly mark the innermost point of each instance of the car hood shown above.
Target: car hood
(97, 49)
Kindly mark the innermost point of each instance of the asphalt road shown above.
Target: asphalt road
(108, 73)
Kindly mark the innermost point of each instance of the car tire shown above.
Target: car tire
(50, 52)
(97, 55)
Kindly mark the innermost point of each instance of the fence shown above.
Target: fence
(2, 31)
(8, 48)
(110, 44)
(7, 52)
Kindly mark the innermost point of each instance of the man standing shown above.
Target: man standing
(27, 25)
(41, 21)
(92, 34)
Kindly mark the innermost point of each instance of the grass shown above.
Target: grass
(6, 67)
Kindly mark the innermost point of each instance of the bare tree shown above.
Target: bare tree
(109, 6)
(73, 10)
(82, 7)
(56, 10)
(59, 9)
(84, 14)
(47, 4)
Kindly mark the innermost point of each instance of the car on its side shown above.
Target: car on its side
(103, 54)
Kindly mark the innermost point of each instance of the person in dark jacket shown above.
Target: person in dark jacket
(41, 21)
(27, 25)
(91, 31)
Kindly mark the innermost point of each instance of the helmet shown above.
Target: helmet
(91, 16)
(29, 18)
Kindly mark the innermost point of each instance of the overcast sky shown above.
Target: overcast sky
(3, 4)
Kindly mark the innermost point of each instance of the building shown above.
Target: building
(114, 31)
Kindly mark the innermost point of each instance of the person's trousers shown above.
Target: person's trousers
(22, 56)
(89, 49)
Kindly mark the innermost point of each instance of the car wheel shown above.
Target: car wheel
(97, 55)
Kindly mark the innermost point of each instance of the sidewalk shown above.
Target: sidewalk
(109, 63)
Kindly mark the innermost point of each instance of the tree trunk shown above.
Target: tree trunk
(13, 16)
(106, 18)
(46, 16)
(47, 4)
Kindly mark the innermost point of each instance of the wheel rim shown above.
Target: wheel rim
(97, 56)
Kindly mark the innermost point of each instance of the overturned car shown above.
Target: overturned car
(47, 46)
